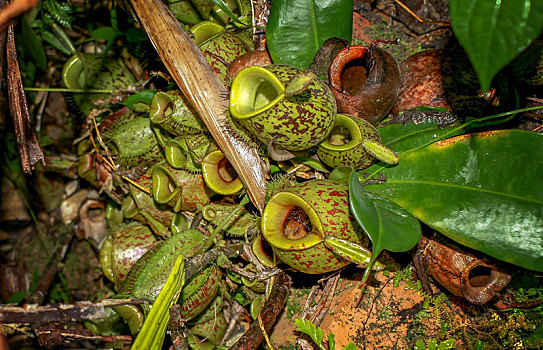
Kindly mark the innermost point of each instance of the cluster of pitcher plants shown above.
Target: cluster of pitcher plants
(174, 194)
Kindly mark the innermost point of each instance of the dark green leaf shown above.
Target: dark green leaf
(341, 174)
(135, 35)
(493, 33)
(17, 297)
(535, 337)
(104, 33)
(388, 225)
(113, 17)
(432, 109)
(483, 191)
(54, 41)
(143, 96)
(297, 28)
(32, 44)
(401, 137)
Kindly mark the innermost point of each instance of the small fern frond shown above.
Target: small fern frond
(59, 12)
(54, 41)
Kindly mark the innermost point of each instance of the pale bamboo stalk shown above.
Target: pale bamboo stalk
(203, 89)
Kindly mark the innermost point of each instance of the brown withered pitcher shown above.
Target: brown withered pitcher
(465, 275)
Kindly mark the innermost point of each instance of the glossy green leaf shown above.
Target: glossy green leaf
(297, 28)
(145, 96)
(493, 33)
(482, 190)
(388, 225)
(154, 328)
(401, 137)
(104, 33)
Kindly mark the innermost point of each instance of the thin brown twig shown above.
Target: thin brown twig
(108, 158)
(81, 335)
(409, 10)
(2, 47)
(328, 292)
(79, 311)
(236, 311)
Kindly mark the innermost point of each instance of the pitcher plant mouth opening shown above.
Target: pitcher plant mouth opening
(226, 171)
(175, 155)
(164, 185)
(204, 31)
(345, 135)
(162, 108)
(219, 175)
(289, 223)
(297, 224)
(350, 70)
(75, 71)
(254, 90)
(264, 252)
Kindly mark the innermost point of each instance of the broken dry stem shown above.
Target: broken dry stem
(29, 148)
(268, 315)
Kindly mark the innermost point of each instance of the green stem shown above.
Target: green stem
(450, 133)
(368, 269)
(89, 91)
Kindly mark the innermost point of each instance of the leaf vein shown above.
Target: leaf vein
(482, 190)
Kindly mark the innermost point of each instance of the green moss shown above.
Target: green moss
(293, 307)
(400, 51)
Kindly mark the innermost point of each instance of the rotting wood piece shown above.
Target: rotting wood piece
(203, 89)
(269, 313)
